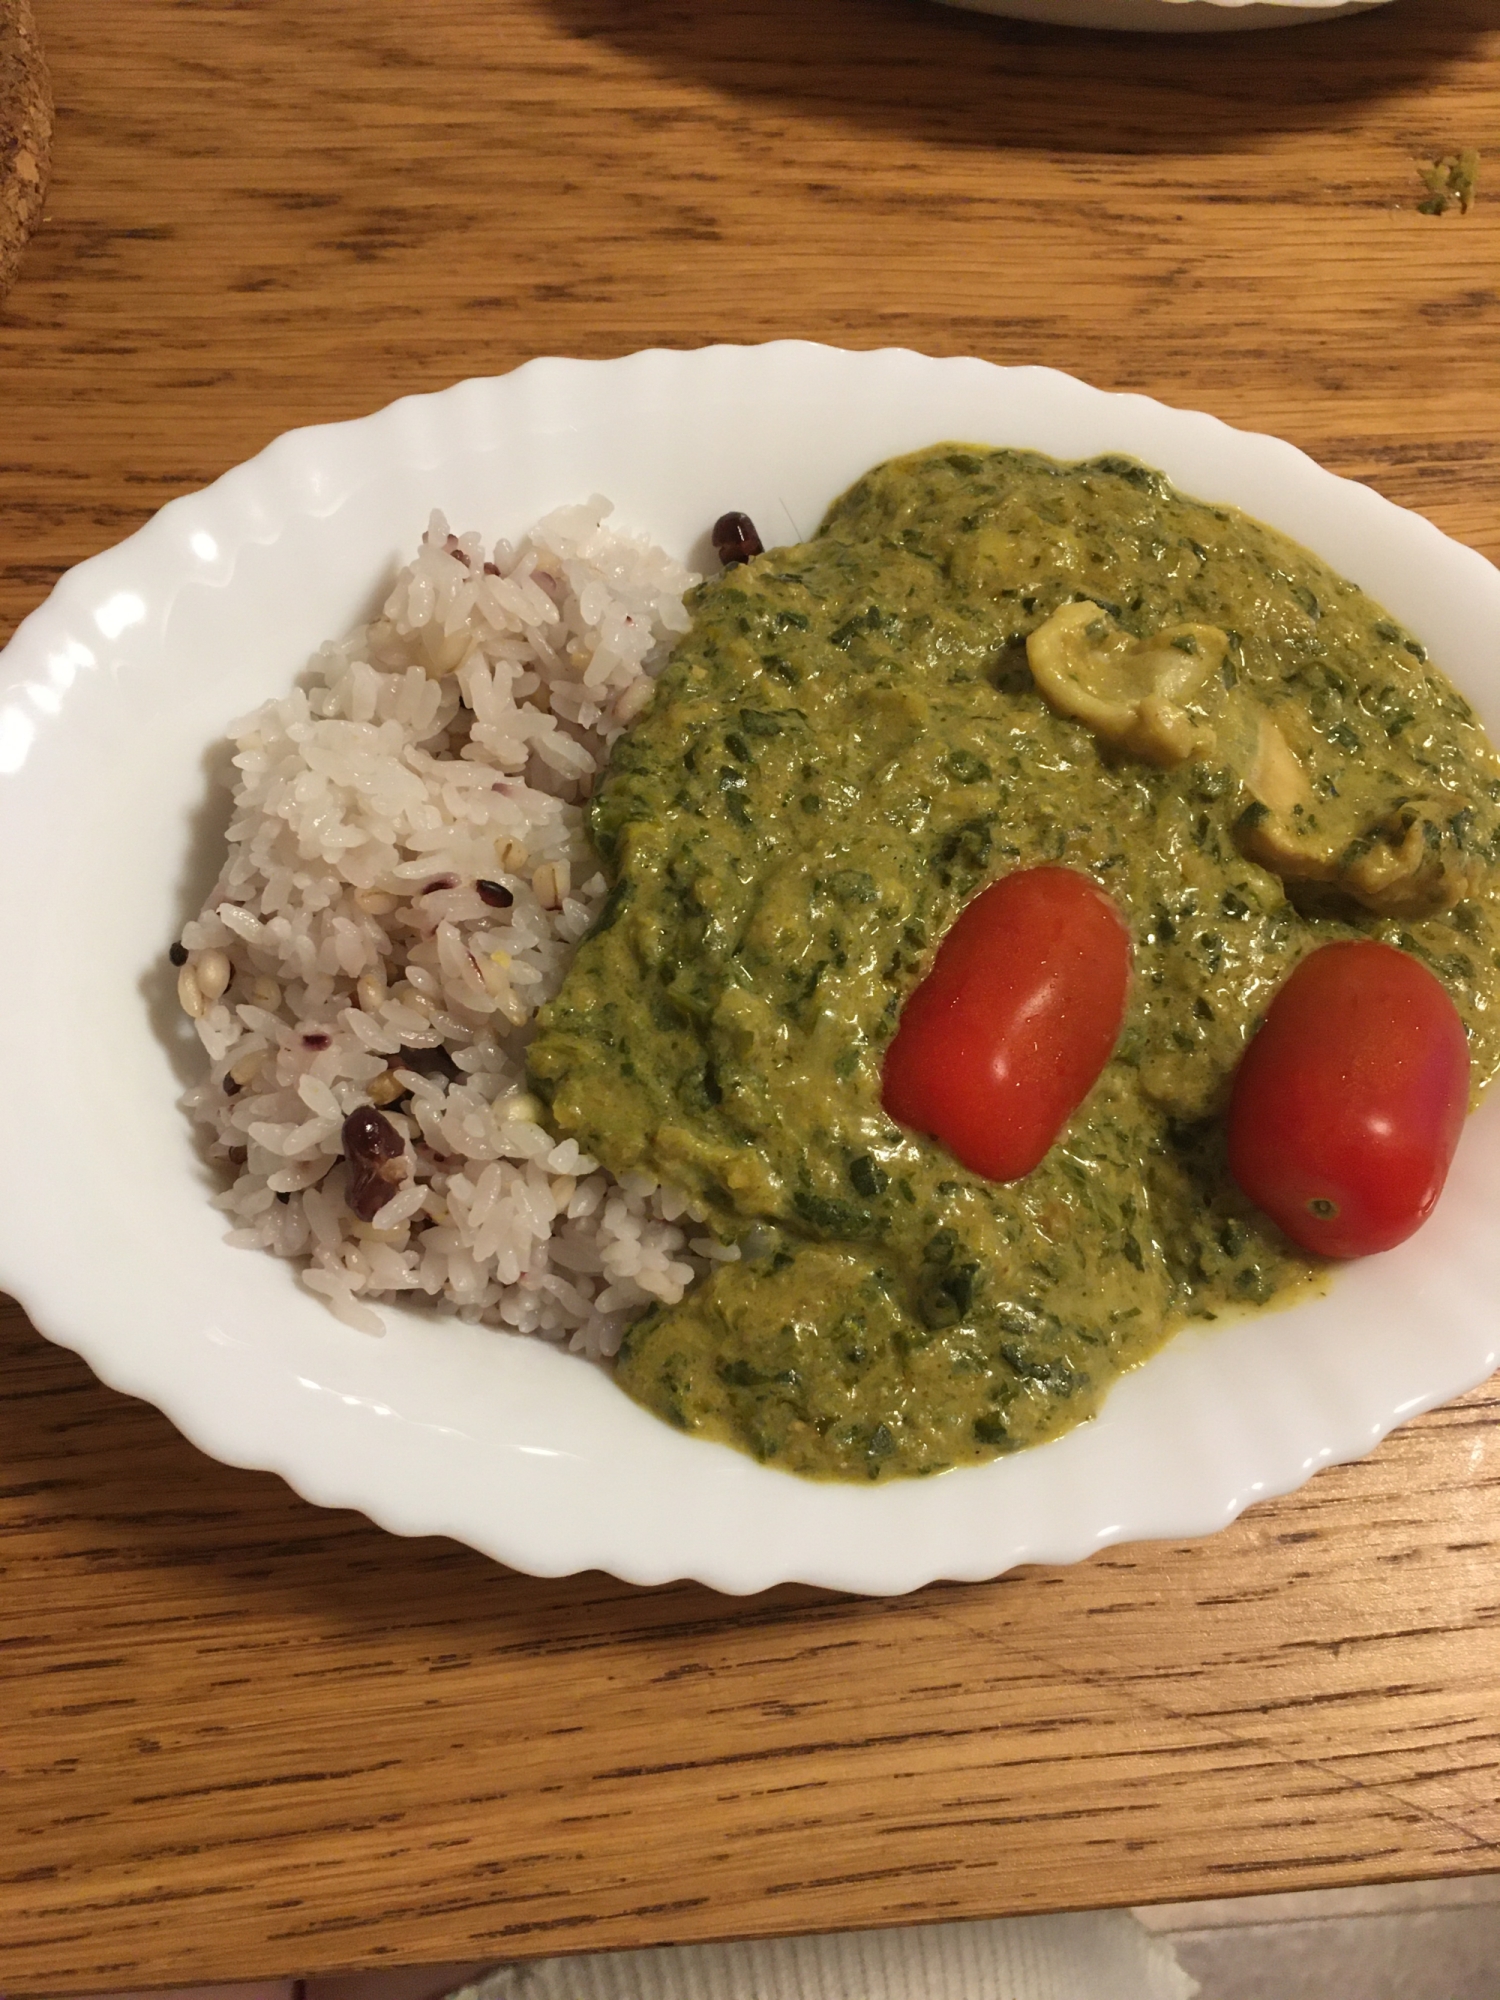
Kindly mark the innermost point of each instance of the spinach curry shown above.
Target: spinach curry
(853, 739)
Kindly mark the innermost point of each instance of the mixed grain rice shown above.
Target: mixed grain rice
(407, 877)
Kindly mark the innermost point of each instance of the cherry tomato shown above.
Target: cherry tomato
(1002, 1041)
(1348, 1103)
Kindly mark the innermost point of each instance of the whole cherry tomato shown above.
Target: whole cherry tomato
(1348, 1103)
(1002, 1041)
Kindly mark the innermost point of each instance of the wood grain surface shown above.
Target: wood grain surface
(239, 1736)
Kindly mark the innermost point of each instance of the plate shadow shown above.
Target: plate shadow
(948, 77)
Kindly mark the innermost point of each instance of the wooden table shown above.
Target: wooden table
(239, 1736)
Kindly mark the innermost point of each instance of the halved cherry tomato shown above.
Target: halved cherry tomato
(1348, 1103)
(1003, 1040)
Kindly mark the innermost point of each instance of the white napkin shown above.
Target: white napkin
(1105, 1955)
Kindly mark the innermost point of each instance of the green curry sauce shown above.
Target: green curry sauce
(847, 746)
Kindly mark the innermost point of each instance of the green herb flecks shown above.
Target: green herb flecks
(1451, 182)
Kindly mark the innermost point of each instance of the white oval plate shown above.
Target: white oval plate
(1171, 17)
(112, 696)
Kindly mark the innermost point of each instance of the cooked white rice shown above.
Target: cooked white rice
(348, 957)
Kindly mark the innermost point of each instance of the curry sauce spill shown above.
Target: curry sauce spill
(1238, 745)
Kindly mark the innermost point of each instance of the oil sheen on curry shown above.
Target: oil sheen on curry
(985, 660)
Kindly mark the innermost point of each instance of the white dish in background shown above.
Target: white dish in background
(1171, 17)
(112, 697)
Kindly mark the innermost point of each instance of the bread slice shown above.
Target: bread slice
(25, 133)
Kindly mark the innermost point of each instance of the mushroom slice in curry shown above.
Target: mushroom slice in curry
(1162, 699)
(1133, 693)
(1250, 742)
(1408, 863)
